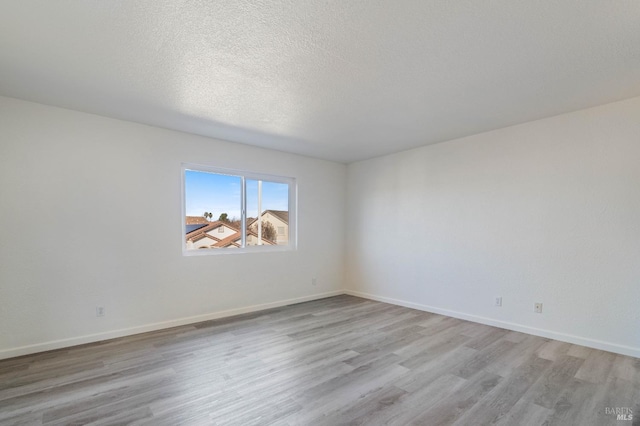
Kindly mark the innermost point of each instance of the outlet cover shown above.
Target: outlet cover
(537, 308)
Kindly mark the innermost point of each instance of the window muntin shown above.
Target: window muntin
(227, 205)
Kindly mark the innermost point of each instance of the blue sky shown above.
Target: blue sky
(216, 193)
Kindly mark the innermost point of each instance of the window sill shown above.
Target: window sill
(245, 250)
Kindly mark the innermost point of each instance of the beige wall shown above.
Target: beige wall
(276, 222)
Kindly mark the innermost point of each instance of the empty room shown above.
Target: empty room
(320, 212)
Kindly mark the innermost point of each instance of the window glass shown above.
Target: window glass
(268, 201)
(222, 208)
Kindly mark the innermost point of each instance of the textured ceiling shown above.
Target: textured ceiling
(341, 80)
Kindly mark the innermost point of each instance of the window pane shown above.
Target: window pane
(272, 209)
(213, 204)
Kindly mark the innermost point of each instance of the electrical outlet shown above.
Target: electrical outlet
(100, 311)
(537, 308)
(498, 301)
(314, 281)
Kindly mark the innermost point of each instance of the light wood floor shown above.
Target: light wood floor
(342, 360)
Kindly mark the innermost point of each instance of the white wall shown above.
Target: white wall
(547, 211)
(90, 216)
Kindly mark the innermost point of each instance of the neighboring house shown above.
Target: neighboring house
(279, 219)
(218, 235)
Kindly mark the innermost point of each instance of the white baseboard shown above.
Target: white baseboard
(90, 338)
(583, 341)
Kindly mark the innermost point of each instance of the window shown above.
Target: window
(236, 211)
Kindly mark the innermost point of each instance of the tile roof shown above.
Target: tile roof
(196, 220)
(283, 215)
(198, 233)
(231, 240)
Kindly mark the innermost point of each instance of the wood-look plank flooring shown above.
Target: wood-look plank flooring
(341, 360)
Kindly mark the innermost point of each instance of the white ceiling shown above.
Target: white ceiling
(340, 80)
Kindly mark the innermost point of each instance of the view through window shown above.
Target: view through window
(231, 210)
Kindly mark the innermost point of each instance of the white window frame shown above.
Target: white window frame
(243, 175)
